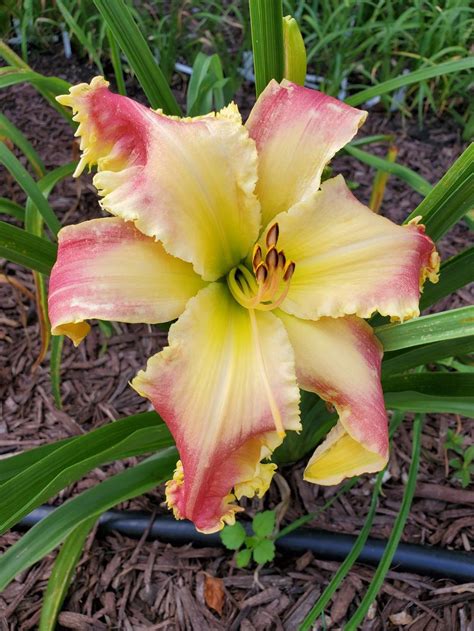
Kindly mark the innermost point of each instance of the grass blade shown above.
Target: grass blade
(392, 544)
(34, 225)
(30, 187)
(42, 84)
(81, 35)
(266, 20)
(62, 573)
(454, 384)
(127, 34)
(431, 328)
(8, 130)
(8, 207)
(422, 355)
(348, 562)
(451, 199)
(18, 246)
(410, 401)
(55, 368)
(418, 183)
(116, 63)
(50, 531)
(413, 77)
(12, 76)
(380, 182)
(43, 478)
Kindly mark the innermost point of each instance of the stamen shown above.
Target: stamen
(261, 273)
(271, 259)
(290, 270)
(269, 284)
(257, 257)
(272, 235)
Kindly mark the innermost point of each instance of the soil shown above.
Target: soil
(122, 584)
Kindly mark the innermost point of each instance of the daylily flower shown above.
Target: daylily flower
(270, 273)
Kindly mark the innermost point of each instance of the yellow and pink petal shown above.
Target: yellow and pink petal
(187, 182)
(339, 359)
(109, 270)
(226, 388)
(352, 261)
(297, 131)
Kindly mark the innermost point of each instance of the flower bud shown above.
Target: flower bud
(294, 51)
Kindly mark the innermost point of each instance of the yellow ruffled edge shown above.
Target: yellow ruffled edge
(257, 486)
(84, 131)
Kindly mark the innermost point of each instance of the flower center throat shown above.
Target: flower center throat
(267, 285)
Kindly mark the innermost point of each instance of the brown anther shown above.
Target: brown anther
(261, 273)
(281, 260)
(272, 236)
(272, 258)
(289, 272)
(257, 256)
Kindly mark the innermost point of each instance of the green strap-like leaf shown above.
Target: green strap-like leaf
(30, 187)
(431, 328)
(54, 528)
(127, 34)
(18, 246)
(348, 562)
(421, 355)
(46, 86)
(266, 19)
(8, 207)
(116, 63)
(12, 76)
(316, 421)
(411, 401)
(392, 544)
(62, 573)
(81, 35)
(136, 435)
(453, 384)
(57, 342)
(413, 77)
(34, 225)
(8, 130)
(451, 199)
(418, 183)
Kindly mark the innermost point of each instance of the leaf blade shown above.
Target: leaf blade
(54, 528)
(26, 249)
(128, 36)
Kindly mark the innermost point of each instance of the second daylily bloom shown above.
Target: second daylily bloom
(270, 274)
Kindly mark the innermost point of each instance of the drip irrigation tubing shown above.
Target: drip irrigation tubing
(331, 546)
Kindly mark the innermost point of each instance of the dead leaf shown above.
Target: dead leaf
(214, 593)
(402, 618)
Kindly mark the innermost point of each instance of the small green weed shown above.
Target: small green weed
(260, 545)
(463, 463)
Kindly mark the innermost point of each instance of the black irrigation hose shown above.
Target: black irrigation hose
(330, 546)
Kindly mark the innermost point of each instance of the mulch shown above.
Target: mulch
(124, 584)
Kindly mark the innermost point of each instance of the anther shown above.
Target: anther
(271, 258)
(261, 273)
(281, 260)
(257, 256)
(272, 236)
(289, 271)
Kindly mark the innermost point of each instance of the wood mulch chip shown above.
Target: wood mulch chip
(124, 584)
